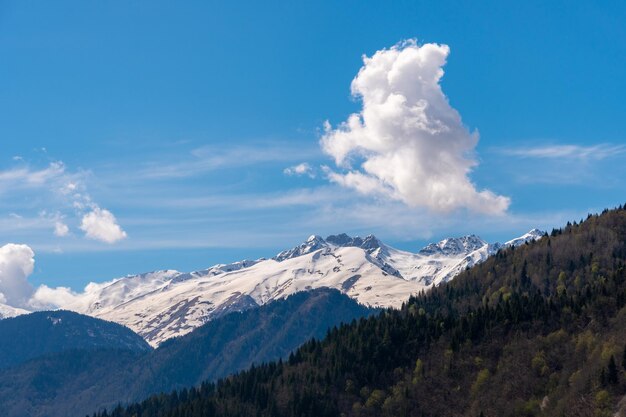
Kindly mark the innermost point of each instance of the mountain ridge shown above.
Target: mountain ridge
(162, 304)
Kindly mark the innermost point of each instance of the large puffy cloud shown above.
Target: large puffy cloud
(16, 264)
(407, 142)
(101, 224)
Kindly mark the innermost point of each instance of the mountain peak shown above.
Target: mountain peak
(369, 243)
(536, 232)
(454, 246)
(313, 243)
(341, 239)
(533, 234)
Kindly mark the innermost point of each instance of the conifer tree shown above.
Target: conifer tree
(612, 374)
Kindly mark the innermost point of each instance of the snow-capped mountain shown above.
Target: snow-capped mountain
(164, 304)
(534, 234)
(455, 246)
(8, 311)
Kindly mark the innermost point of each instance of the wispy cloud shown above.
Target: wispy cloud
(27, 177)
(593, 165)
(243, 204)
(210, 158)
(575, 152)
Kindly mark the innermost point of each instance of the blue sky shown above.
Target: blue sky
(178, 121)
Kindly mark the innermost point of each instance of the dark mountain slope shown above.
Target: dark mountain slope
(234, 342)
(38, 334)
(78, 382)
(539, 330)
(66, 383)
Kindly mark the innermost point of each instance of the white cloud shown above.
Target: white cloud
(16, 264)
(301, 169)
(578, 152)
(46, 298)
(64, 192)
(101, 224)
(61, 229)
(407, 142)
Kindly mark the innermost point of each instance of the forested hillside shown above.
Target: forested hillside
(538, 330)
(47, 332)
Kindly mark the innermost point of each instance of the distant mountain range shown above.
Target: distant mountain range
(164, 304)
